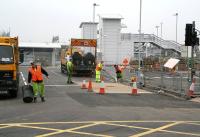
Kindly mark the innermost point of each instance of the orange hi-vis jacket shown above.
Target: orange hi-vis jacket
(36, 74)
(99, 67)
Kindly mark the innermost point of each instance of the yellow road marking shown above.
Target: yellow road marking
(156, 129)
(44, 128)
(67, 130)
(128, 126)
(50, 134)
(6, 126)
(197, 124)
(182, 133)
(176, 132)
(85, 133)
(84, 122)
(114, 123)
(80, 127)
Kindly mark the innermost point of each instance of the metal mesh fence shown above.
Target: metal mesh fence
(177, 82)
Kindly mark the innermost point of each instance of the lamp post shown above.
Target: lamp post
(140, 26)
(94, 5)
(161, 29)
(176, 14)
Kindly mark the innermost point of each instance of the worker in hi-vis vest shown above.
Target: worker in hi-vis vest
(118, 71)
(99, 67)
(35, 75)
(69, 71)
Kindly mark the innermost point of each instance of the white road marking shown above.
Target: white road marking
(24, 80)
(55, 73)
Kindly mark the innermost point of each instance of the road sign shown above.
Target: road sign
(84, 42)
(171, 63)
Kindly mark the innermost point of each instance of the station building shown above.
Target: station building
(46, 53)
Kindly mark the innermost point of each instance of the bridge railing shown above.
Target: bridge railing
(151, 38)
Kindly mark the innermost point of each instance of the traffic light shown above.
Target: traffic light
(191, 38)
(188, 35)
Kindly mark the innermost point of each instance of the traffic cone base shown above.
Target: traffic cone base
(90, 86)
(190, 92)
(101, 91)
(102, 88)
(134, 91)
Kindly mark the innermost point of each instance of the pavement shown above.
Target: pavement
(197, 99)
(111, 88)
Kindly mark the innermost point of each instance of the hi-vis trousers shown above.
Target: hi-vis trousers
(38, 87)
(98, 76)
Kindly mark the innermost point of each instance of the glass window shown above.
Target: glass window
(6, 54)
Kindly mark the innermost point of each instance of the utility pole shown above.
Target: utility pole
(140, 26)
(176, 14)
(161, 29)
(94, 5)
(192, 40)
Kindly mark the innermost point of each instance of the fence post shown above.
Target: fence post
(181, 76)
(199, 82)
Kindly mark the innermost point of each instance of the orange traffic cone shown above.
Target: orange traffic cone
(83, 86)
(134, 86)
(90, 86)
(191, 89)
(102, 88)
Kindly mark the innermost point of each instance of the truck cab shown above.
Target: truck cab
(9, 63)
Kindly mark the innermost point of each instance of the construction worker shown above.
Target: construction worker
(68, 56)
(118, 71)
(98, 71)
(35, 76)
(69, 71)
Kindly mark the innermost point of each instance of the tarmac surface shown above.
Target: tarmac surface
(72, 111)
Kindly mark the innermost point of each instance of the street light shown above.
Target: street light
(161, 29)
(176, 14)
(140, 26)
(94, 5)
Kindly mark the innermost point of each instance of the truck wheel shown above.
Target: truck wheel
(13, 93)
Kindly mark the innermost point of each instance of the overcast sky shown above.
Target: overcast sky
(40, 20)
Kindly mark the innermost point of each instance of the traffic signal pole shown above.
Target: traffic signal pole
(192, 63)
(192, 40)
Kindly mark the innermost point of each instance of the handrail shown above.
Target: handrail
(151, 38)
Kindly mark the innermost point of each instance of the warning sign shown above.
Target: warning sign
(171, 63)
(84, 42)
(125, 62)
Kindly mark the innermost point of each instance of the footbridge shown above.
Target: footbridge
(154, 40)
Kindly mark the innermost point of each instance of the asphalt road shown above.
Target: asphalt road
(71, 111)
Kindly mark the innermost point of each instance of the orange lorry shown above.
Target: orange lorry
(9, 66)
(83, 54)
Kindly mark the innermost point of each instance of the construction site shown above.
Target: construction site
(104, 82)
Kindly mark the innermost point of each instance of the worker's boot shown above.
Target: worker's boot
(35, 99)
(42, 99)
